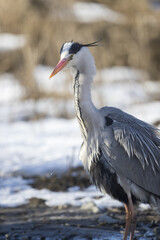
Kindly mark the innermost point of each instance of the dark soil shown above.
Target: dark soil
(35, 221)
(74, 177)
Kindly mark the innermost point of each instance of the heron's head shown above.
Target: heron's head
(73, 54)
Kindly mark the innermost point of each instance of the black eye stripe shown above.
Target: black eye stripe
(75, 47)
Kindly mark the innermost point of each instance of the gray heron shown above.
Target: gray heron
(120, 152)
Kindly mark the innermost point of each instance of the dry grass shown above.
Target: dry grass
(135, 43)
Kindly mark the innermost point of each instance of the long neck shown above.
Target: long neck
(90, 120)
(87, 113)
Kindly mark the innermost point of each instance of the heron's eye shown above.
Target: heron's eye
(71, 57)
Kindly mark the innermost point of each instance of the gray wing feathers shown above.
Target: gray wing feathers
(134, 150)
(136, 143)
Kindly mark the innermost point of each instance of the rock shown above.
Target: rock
(90, 206)
(107, 219)
(77, 238)
(64, 206)
(156, 231)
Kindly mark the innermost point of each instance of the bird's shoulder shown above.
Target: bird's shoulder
(121, 121)
(116, 115)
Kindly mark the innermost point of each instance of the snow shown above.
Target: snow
(120, 95)
(93, 12)
(10, 89)
(58, 84)
(27, 109)
(122, 87)
(11, 191)
(121, 74)
(15, 191)
(10, 42)
(33, 148)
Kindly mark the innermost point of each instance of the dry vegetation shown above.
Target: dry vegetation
(47, 24)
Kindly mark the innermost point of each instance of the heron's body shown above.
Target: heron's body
(120, 152)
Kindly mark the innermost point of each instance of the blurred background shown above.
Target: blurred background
(39, 135)
(31, 35)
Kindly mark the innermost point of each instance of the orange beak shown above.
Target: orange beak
(62, 63)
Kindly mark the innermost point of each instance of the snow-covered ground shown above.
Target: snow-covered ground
(39, 147)
(15, 191)
(59, 83)
(11, 90)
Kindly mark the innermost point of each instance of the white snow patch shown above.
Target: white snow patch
(15, 191)
(58, 84)
(78, 198)
(144, 206)
(73, 189)
(41, 147)
(93, 12)
(25, 110)
(120, 95)
(10, 42)
(152, 88)
(10, 89)
(11, 191)
(120, 87)
(121, 74)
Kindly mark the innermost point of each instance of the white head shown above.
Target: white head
(76, 55)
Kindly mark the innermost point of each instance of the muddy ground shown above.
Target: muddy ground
(36, 221)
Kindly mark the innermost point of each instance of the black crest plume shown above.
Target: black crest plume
(93, 44)
(75, 47)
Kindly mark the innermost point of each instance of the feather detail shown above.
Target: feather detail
(93, 44)
(136, 143)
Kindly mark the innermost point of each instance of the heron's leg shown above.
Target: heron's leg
(128, 221)
(133, 218)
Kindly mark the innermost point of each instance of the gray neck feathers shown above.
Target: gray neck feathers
(79, 106)
(88, 116)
